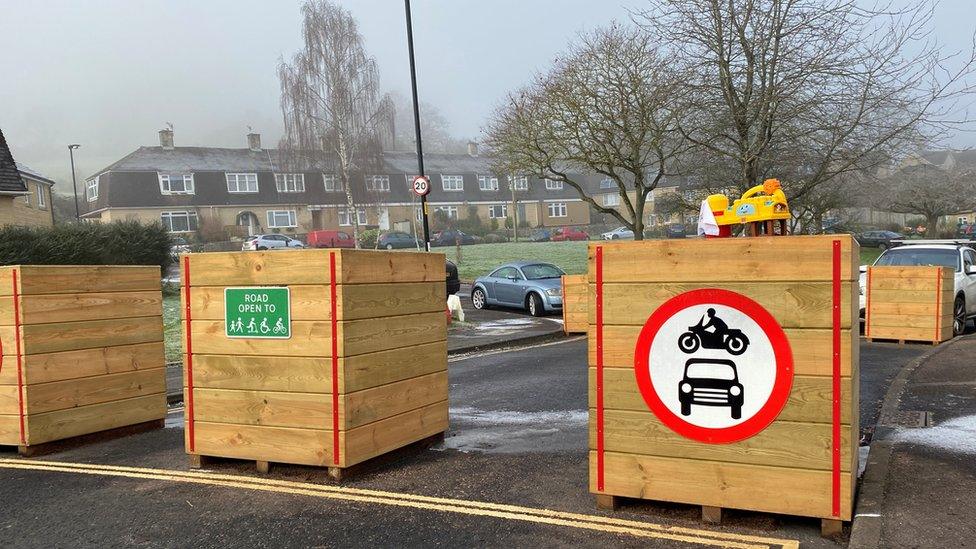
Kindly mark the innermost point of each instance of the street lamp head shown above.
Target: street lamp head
(73, 146)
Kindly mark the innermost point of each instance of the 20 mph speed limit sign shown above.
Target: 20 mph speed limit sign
(421, 185)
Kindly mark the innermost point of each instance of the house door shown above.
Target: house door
(250, 221)
(317, 219)
(384, 221)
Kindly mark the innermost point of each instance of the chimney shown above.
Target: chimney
(166, 139)
(254, 142)
(472, 148)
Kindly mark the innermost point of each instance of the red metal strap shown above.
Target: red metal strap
(335, 360)
(938, 306)
(867, 305)
(599, 369)
(20, 359)
(189, 354)
(836, 439)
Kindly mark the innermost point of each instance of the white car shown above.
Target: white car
(939, 253)
(620, 233)
(271, 242)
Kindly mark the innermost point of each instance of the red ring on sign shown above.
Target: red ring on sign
(781, 351)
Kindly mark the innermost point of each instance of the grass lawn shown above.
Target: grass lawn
(172, 328)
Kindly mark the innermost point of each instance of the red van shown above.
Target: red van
(330, 239)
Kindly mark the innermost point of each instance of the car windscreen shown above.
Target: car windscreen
(710, 370)
(919, 257)
(542, 270)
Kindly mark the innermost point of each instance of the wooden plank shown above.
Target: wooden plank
(575, 303)
(812, 349)
(902, 296)
(811, 398)
(793, 304)
(9, 430)
(38, 309)
(70, 336)
(312, 267)
(378, 403)
(902, 321)
(374, 369)
(6, 280)
(356, 301)
(73, 393)
(782, 444)
(64, 365)
(358, 337)
(736, 486)
(275, 444)
(920, 308)
(377, 438)
(265, 408)
(7, 311)
(58, 279)
(83, 420)
(8, 370)
(9, 400)
(724, 260)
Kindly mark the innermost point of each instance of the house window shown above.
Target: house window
(242, 182)
(487, 183)
(552, 185)
(451, 211)
(179, 222)
(332, 183)
(91, 189)
(557, 209)
(39, 189)
(519, 182)
(611, 200)
(345, 219)
(378, 183)
(498, 211)
(607, 183)
(179, 183)
(452, 182)
(290, 182)
(282, 219)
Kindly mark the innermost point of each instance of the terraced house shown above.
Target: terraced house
(25, 194)
(246, 191)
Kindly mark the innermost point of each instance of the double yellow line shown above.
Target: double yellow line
(426, 503)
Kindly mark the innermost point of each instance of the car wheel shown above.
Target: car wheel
(614, 237)
(389, 246)
(959, 316)
(478, 299)
(262, 248)
(737, 412)
(686, 408)
(535, 305)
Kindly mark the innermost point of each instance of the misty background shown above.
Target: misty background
(108, 74)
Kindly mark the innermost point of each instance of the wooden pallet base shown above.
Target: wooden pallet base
(81, 440)
(829, 528)
(337, 474)
(903, 341)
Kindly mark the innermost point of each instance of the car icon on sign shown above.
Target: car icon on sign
(710, 382)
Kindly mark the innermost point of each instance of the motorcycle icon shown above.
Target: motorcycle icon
(723, 337)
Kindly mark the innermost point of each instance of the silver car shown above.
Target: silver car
(271, 242)
(523, 284)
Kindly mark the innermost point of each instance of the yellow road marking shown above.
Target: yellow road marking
(467, 507)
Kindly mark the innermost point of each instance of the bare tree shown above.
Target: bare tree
(811, 89)
(607, 107)
(435, 128)
(334, 115)
(928, 191)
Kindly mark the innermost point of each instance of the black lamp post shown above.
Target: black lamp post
(416, 121)
(74, 182)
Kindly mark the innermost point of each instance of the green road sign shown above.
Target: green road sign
(257, 312)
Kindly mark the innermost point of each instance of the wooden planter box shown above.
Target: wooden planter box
(574, 304)
(82, 351)
(804, 461)
(363, 373)
(909, 303)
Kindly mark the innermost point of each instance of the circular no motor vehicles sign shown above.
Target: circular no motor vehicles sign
(714, 366)
(421, 185)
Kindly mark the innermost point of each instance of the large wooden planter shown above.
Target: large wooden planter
(805, 460)
(363, 373)
(909, 303)
(82, 351)
(574, 304)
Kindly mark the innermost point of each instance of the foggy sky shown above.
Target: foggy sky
(108, 74)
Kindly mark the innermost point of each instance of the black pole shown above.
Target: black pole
(74, 182)
(416, 121)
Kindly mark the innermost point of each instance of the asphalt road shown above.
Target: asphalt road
(517, 437)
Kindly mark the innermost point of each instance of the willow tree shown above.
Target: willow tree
(334, 115)
(608, 106)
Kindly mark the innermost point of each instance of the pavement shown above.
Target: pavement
(920, 484)
(512, 471)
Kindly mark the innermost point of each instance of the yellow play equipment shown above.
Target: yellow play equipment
(762, 209)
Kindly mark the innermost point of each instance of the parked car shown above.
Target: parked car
(271, 242)
(531, 285)
(450, 237)
(331, 239)
(878, 239)
(568, 233)
(620, 233)
(180, 246)
(945, 253)
(541, 235)
(396, 239)
(496, 238)
(676, 230)
(453, 282)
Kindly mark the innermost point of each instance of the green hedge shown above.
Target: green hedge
(117, 243)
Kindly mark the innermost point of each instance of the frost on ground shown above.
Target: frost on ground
(956, 435)
(504, 431)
